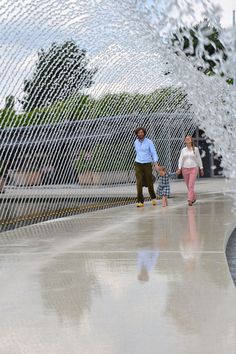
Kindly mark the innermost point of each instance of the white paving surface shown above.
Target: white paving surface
(202, 186)
(121, 281)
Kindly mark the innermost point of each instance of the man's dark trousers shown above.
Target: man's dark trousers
(144, 170)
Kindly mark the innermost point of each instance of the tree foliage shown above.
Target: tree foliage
(8, 116)
(85, 107)
(61, 72)
(202, 40)
(10, 102)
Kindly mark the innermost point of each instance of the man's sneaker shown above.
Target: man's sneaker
(154, 202)
(140, 205)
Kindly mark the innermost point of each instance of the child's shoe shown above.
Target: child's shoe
(140, 205)
(154, 202)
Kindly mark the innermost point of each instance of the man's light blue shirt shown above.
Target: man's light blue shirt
(145, 151)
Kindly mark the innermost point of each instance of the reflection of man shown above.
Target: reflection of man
(146, 263)
(145, 155)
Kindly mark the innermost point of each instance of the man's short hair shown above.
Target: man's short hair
(138, 130)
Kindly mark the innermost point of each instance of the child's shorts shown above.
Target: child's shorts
(163, 191)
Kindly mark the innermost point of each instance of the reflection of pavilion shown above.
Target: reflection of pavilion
(199, 301)
(68, 284)
(197, 274)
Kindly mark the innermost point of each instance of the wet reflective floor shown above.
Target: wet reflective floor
(122, 281)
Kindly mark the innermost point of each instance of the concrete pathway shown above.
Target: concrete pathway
(203, 185)
(121, 281)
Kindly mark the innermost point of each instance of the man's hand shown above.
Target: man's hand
(157, 167)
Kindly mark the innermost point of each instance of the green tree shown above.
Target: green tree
(61, 72)
(188, 40)
(168, 99)
(83, 107)
(10, 102)
(8, 116)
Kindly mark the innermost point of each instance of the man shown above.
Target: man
(145, 155)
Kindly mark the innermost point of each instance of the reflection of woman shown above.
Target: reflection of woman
(190, 244)
(189, 163)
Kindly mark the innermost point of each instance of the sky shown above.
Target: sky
(227, 6)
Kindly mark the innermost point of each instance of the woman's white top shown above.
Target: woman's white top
(189, 158)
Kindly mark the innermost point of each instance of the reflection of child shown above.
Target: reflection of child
(163, 189)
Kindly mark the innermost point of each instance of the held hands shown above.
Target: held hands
(178, 172)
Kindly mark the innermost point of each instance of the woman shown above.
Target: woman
(189, 163)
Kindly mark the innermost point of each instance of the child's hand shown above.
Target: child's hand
(202, 172)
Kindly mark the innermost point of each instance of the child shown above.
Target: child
(163, 189)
